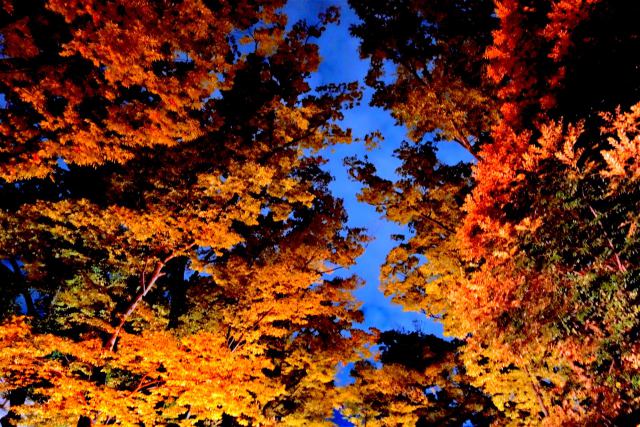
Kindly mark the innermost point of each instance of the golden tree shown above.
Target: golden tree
(230, 191)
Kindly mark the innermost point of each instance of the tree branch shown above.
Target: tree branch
(22, 286)
(438, 223)
(146, 288)
(619, 264)
(537, 392)
(460, 137)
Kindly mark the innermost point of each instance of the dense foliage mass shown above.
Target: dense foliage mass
(167, 229)
(531, 249)
(421, 381)
(168, 235)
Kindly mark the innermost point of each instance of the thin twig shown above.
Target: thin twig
(620, 265)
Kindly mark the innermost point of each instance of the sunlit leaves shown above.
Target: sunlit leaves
(536, 268)
(187, 275)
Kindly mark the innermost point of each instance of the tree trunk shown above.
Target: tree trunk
(21, 284)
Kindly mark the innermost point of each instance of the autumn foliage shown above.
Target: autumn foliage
(168, 231)
(531, 250)
(170, 241)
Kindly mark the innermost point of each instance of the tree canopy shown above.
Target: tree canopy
(531, 249)
(167, 223)
(170, 240)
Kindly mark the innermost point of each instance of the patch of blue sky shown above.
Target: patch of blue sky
(62, 164)
(343, 377)
(339, 420)
(341, 63)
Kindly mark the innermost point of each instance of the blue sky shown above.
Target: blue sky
(341, 63)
